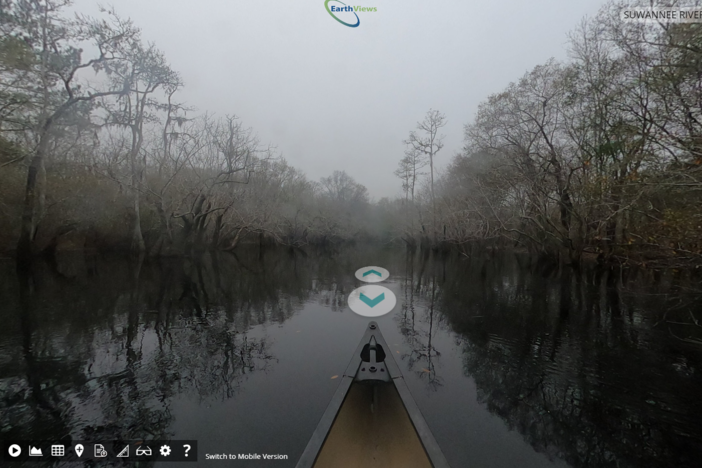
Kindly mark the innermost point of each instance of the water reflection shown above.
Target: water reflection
(575, 363)
(420, 293)
(589, 366)
(96, 349)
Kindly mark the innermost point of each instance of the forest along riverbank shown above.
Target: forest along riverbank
(591, 367)
(569, 160)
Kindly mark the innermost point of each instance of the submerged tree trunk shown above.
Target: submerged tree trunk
(217, 230)
(164, 243)
(34, 198)
(138, 245)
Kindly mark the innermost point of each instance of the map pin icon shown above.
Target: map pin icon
(79, 449)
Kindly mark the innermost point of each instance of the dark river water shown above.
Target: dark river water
(512, 363)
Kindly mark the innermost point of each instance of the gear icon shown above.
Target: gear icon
(165, 450)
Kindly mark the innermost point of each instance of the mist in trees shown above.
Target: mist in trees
(596, 156)
(98, 152)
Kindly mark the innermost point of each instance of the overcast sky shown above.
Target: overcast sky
(334, 97)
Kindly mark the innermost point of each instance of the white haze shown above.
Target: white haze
(333, 97)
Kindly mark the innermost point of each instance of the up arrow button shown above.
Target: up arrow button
(372, 274)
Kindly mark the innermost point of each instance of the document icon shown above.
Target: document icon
(34, 451)
(100, 451)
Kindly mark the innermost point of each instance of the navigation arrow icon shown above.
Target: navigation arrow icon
(372, 302)
(369, 272)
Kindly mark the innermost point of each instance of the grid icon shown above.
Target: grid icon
(57, 451)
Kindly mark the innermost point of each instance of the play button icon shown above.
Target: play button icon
(14, 450)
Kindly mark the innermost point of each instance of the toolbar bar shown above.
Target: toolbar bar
(143, 450)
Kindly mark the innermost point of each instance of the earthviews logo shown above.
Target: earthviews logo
(345, 14)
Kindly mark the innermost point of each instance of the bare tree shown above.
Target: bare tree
(143, 73)
(181, 139)
(426, 139)
(409, 169)
(51, 82)
(343, 188)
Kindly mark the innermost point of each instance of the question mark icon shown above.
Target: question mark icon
(187, 449)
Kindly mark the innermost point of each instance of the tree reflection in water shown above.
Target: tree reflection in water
(106, 345)
(419, 317)
(580, 363)
(577, 361)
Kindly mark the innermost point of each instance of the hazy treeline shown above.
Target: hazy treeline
(97, 151)
(600, 154)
